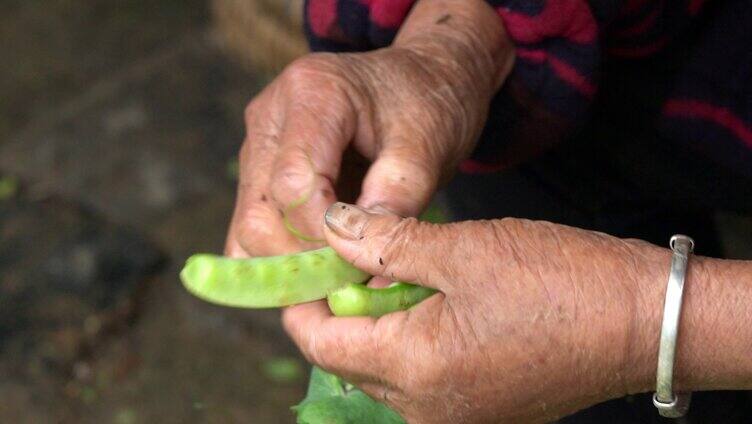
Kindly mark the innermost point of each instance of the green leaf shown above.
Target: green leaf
(8, 187)
(323, 385)
(282, 370)
(332, 401)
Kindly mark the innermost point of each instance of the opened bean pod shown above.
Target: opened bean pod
(276, 281)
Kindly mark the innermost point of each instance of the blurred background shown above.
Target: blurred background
(119, 123)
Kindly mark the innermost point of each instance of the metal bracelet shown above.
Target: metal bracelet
(670, 404)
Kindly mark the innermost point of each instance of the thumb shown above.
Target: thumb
(384, 244)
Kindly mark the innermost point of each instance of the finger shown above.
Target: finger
(257, 228)
(316, 132)
(261, 231)
(301, 192)
(401, 249)
(359, 349)
(232, 246)
(401, 180)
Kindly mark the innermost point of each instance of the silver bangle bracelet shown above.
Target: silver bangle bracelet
(670, 404)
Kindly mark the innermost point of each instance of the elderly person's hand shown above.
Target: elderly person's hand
(415, 109)
(536, 320)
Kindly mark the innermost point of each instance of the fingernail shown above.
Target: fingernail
(346, 220)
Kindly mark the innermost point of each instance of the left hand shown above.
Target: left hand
(535, 320)
(415, 109)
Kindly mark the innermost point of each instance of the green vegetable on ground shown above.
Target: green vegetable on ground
(282, 370)
(8, 187)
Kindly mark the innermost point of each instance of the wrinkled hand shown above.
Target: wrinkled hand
(395, 106)
(535, 320)
(414, 109)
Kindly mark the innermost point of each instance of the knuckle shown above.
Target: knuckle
(293, 166)
(256, 229)
(300, 69)
(311, 346)
(326, 353)
(292, 179)
(395, 253)
(399, 237)
(319, 80)
(305, 70)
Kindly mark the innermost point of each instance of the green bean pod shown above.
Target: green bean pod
(268, 282)
(359, 300)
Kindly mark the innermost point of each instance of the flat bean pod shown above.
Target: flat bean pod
(268, 282)
(359, 300)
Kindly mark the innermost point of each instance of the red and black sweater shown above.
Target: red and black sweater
(564, 48)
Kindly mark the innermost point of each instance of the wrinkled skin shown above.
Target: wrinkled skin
(414, 110)
(515, 324)
(535, 320)
(522, 329)
(395, 106)
(531, 324)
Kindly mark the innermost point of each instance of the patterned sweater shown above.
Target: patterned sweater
(695, 57)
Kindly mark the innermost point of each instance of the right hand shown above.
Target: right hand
(414, 109)
(534, 321)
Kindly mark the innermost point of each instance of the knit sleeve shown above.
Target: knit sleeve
(560, 46)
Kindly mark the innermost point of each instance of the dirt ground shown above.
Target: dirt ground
(119, 119)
